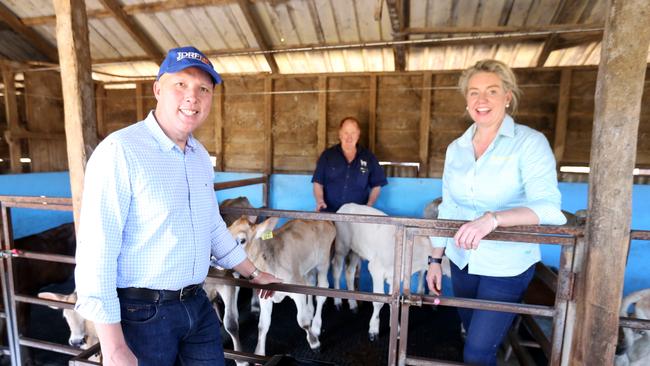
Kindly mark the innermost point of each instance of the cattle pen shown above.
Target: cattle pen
(570, 239)
(75, 71)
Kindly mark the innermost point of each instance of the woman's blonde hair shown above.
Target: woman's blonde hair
(502, 71)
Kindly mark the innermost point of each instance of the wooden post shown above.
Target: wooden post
(619, 88)
(78, 93)
(268, 125)
(425, 123)
(372, 114)
(100, 97)
(562, 115)
(321, 132)
(218, 126)
(11, 111)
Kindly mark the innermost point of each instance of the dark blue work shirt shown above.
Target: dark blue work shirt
(342, 182)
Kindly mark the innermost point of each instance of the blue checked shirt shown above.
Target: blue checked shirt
(516, 170)
(149, 218)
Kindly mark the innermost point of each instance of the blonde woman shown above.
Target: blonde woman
(497, 174)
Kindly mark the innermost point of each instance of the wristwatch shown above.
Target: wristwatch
(434, 260)
(254, 274)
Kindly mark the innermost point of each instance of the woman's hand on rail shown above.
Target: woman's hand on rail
(470, 234)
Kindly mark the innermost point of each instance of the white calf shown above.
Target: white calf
(295, 253)
(375, 243)
(230, 318)
(634, 350)
(82, 332)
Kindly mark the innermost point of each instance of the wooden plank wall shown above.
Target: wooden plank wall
(282, 116)
(44, 107)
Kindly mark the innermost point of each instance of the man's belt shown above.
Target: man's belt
(149, 295)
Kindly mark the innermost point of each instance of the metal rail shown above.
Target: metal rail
(407, 229)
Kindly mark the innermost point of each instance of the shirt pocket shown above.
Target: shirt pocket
(335, 172)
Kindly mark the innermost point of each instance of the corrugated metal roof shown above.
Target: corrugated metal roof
(318, 36)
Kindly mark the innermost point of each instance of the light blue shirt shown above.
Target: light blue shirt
(516, 170)
(149, 218)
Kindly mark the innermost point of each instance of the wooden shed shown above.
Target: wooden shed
(74, 71)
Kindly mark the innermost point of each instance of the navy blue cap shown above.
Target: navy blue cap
(183, 57)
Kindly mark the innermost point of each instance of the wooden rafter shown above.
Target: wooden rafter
(35, 39)
(551, 42)
(501, 29)
(135, 30)
(144, 8)
(253, 20)
(566, 40)
(397, 24)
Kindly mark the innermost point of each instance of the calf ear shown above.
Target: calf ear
(266, 226)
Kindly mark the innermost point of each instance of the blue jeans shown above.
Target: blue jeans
(173, 332)
(486, 329)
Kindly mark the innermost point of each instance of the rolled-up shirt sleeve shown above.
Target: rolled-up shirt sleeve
(227, 252)
(105, 206)
(539, 178)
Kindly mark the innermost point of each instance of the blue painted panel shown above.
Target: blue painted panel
(30, 221)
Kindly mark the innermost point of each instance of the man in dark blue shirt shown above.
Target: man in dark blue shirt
(347, 172)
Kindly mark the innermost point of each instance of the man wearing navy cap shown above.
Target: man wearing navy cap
(149, 225)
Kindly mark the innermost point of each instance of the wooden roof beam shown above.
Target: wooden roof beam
(144, 8)
(138, 33)
(502, 29)
(397, 22)
(35, 39)
(253, 20)
(563, 42)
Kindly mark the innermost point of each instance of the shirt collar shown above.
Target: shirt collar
(507, 129)
(163, 140)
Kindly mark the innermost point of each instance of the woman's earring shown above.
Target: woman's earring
(508, 105)
(467, 108)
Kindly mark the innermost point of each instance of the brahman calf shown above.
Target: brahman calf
(296, 253)
(375, 243)
(634, 348)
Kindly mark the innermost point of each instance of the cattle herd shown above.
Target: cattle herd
(300, 252)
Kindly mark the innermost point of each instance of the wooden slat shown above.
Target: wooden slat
(425, 123)
(11, 112)
(253, 20)
(139, 101)
(21, 133)
(372, 113)
(619, 90)
(562, 115)
(218, 126)
(322, 114)
(268, 125)
(135, 31)
(35, 39)
(78, 92)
